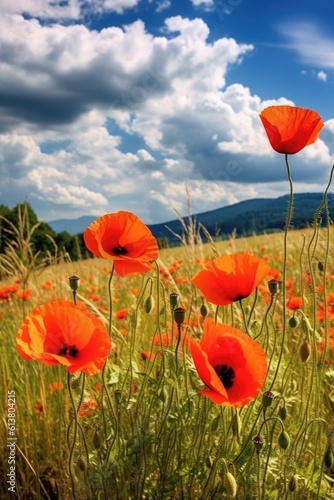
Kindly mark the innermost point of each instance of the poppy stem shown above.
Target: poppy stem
(75, 431)
(244, 316)
(110, 299)
(285, 259)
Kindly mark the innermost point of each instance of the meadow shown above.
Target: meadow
(170, 441)
(199, 372)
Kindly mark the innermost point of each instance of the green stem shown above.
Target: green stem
(285, 259)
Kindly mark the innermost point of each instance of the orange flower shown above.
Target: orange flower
(87, 407)
(290, 128)
(231, 364)
(58, 332)
(47, 285)
(121, 314)
(295, 303)
(123, 238)
(56, 386)
(24, 295)
(231, 278)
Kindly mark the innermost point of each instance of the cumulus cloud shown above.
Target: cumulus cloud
(69, 10)
(322, 76)
(94, 121)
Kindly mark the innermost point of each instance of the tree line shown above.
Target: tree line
(44, 240)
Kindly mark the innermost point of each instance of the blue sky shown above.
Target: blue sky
(111, 105)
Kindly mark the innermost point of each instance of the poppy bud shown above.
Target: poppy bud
(304, 351)
(204, 310)
(254, 324)
(97, 441)
(284, 440)
(328, 458)
(179, 315)
(81, 463)
(174, 300)
(75, 382)
(118, 394)
(258, 442)
(274, 287)
(293, 483)
(282, 413)
(149, 304)
(320, 266)
(74, 283)
(208, 462)
(267, 399)
(230, 484)
(293, 322)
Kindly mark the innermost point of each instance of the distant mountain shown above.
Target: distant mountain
(248, 217)
(72, 226)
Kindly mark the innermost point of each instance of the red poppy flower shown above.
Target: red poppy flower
(295, 303)
(87, 407)
(231, 364)
(24, 295)
(231, 278)
(290, 128)
(123, 238)
(121, 314)
(59, 332)
(56, 386)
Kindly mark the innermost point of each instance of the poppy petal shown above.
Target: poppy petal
(290, 128)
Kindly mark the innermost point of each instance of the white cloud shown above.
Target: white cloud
(199, 3)
(322, 76)
(71, 9)
(97, 121)
(313, 45)
(118, 6)
(43, 8)
(163, 5)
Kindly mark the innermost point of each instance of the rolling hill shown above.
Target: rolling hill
(248, 217)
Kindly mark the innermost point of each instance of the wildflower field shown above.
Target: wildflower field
(203, 371)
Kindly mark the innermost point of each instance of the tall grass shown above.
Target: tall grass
(148, 433)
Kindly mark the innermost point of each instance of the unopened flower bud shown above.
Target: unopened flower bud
(149, 304)
(97, 441)
(328, 458)
(304, 351)
(118, 394)
(293, 483)
(81, 463)
(179, 315)
(204, 310)
(267, 399)
(174, 300)
(284, 440)
(230, 484)
(293, 322)
(282, 413)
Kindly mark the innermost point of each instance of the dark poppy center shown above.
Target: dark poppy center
(226, 375)
(119, 250)
(69, 350)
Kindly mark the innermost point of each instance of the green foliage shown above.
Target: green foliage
(46, 244)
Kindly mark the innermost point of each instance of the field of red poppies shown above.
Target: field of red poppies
(198, 372)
